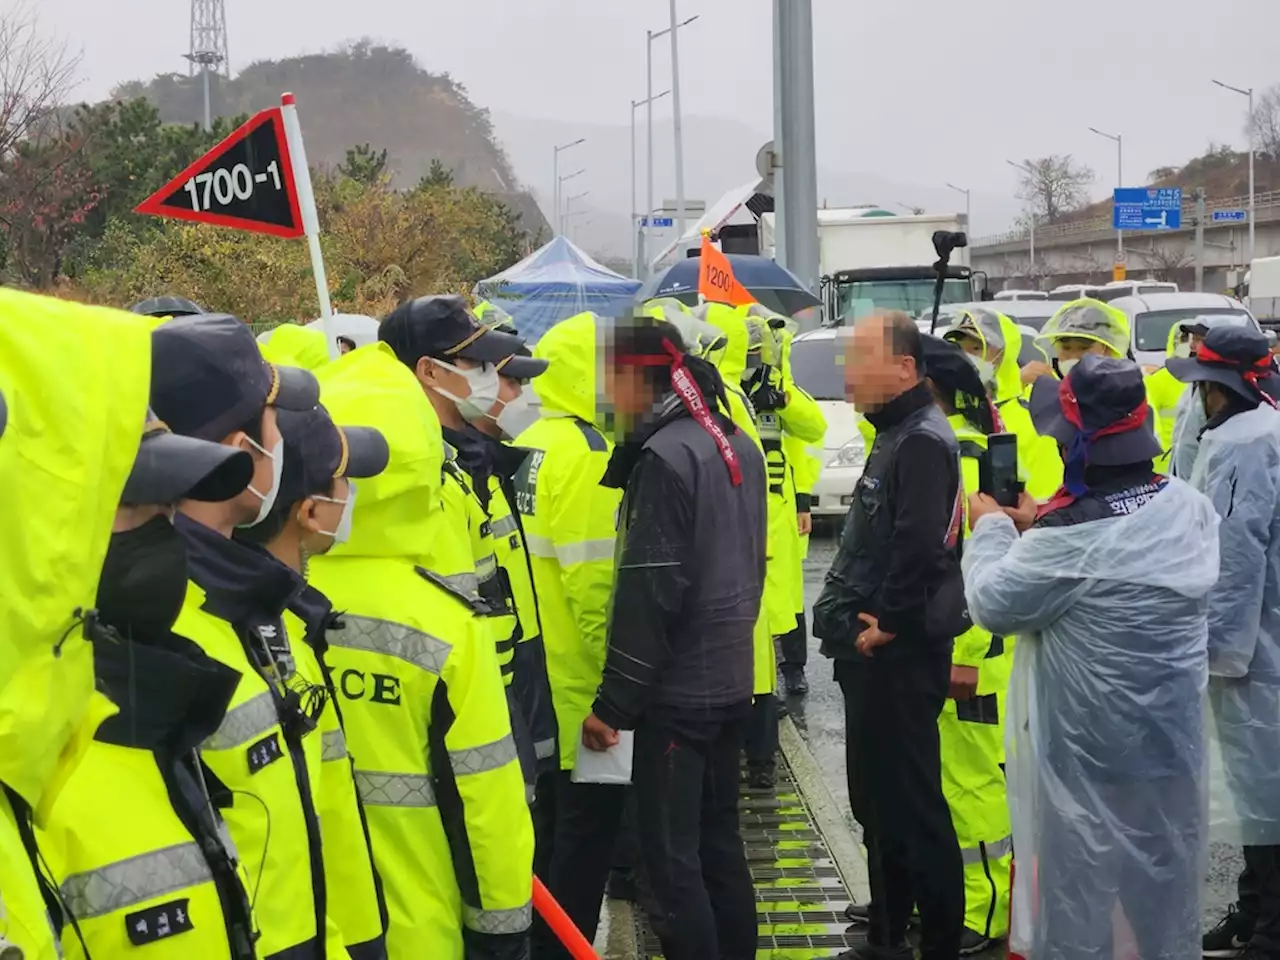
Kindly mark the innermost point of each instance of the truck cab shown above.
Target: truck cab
(851, 294)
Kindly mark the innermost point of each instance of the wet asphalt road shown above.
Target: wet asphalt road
(820, 719)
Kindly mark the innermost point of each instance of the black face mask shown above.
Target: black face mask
(144, 581)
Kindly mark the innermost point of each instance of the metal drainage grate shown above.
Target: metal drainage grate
(800, 897)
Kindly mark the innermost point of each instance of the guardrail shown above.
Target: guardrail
(1100, 224)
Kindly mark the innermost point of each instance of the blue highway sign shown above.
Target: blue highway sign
(657, 222)
(1147, 208)
(1229, 216)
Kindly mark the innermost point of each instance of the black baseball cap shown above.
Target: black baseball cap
(1095, 400)
(950, 368)
(166, 307)
(209, 379)
(1237, 358)
(170, 467)
(317, 451)
(444, 328)
(523, 365)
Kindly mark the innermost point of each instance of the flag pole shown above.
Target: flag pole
(307, 206)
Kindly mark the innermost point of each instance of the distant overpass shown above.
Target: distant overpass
(1083, 251)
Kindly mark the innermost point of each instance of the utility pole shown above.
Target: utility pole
(1253, 195)
(1199, 239)
(794, 68)
(560, 216)
(778, 161)
(650, 36)
(1119, 141)
(968, 221)
(208, 50)
(637, 233)
(556, 181)
(677, 132)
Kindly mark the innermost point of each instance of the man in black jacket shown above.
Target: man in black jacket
(892, 604)
(679, 667)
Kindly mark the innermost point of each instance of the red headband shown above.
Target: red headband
(686, 388)
(1251, 372)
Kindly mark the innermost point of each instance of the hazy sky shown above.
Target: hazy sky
(923, 91)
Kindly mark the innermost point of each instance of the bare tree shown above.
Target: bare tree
(1165, 260)
(1055, 185)
(1265, 122)
(36, 73)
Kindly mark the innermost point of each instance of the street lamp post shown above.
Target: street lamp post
(1119, 141)
(968, 223)
(555, 178)
(1025, 168)
(651, 36)
(569, 203)
(560, 192)
(1253, 210)
(637, 241)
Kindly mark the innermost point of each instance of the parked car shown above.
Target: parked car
(1016, 295)
(1152, 316)
(816, 364)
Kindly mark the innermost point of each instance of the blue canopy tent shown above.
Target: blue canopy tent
(553, 283)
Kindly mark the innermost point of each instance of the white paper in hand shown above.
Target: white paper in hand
(608, 766)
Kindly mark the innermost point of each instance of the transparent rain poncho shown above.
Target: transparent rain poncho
(1088, 319)
(1105, 731)
(1238, 468)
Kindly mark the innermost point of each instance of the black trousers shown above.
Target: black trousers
(576, 825)
(686, 791)
(762, 732)
(895, 788)
(795, 645)
(1259, 888)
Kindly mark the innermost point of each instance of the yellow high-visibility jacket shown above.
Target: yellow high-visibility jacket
(570, 523)
(422, 698)
(75, 382)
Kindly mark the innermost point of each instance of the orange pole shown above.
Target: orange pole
(554, 916)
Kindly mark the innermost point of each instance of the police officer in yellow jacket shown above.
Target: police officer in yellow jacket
(313, 512)
(423, 705)
(140, 855)
(569, 523)
(781, 407)
(971, 726)
(74, 382)
(209, 380)
(995, 342)
(455, 361)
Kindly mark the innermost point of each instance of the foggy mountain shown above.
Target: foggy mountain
(719, 155)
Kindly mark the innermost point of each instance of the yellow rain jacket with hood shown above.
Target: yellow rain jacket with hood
(293, 345)
(972, 739)
(570, 522)
(797, 415)
(427, 725)
(64, 455)
(731, 360)
(1164, 391)
(1038, 455)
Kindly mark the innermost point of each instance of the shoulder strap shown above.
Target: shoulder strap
(472, 600)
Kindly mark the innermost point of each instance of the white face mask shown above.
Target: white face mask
(1064, 366)
(518, 415)
(342, 533)
(1182, 349)
(986, 369)
(276, 453)
(484, 385)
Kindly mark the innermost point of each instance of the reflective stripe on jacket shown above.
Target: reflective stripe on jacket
(423, 706)
(271, 816)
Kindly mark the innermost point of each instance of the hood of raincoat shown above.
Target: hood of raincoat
(1088, 319)
(75, 379)
(731, 361)
(399, 512)
(988, 325)
(568, 388)
(291, 345)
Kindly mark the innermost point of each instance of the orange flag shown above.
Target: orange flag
(716, 282)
